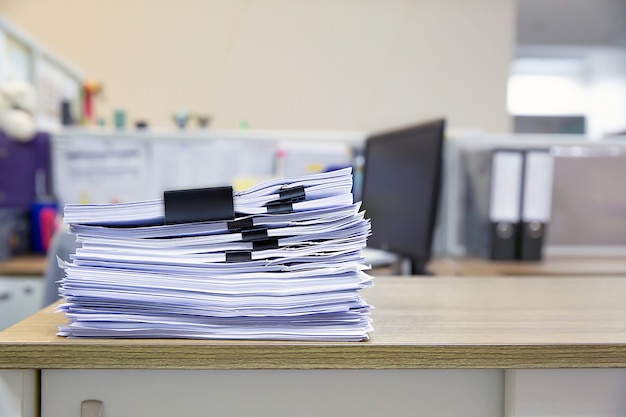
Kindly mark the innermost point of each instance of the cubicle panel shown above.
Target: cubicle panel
(105, 166)
(276, 393)
(302, 158)
(589, 202)
(183, 164)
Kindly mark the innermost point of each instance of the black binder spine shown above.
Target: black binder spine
(503, 240)
(505, 197)
(531, 240)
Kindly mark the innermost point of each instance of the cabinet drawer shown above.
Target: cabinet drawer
(277, 393)
(19, 298)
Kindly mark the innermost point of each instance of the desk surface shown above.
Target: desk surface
(552, 266)
(25, 265)
(420, 323)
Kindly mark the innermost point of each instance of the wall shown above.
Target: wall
(345, 64)
(606, 92)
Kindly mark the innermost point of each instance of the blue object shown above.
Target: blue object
(43, 224)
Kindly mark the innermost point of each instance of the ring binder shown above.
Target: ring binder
(536, 204)
(199, 205)
(494, 180)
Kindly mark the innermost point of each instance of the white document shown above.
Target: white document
(318, 195)
(279, 276)
(317, 217)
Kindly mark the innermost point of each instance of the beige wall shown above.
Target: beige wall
(293, 64)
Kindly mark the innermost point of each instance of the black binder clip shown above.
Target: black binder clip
(240, 224)
(285, 201)
(251, 235)
(292, 195)
(279, 207)
(199, 205)
(238, 256)
(266, 244)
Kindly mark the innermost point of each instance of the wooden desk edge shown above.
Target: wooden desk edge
(275, 355)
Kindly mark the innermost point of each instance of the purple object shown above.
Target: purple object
(19, 164)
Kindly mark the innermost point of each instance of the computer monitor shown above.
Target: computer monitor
(401, 188)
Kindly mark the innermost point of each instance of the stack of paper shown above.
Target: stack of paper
(294, 275)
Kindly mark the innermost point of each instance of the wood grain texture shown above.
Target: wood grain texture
(27, 265)
(420, 323)
(563, 266)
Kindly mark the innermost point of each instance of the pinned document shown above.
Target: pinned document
(284, 262)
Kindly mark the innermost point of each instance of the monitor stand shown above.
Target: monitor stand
(408, 266)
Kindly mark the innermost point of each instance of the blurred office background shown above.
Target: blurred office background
(346, 65)
(295, 87)
(278, 64)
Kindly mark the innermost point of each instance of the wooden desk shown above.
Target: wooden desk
(551, 266)
(446, 346)
(24, 265)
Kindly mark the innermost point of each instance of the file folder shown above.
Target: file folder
(504, 205)
(493, 180)
(536, 204)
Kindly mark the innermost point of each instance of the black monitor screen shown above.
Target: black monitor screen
(401, 182)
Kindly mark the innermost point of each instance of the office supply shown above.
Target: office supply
(119, 119)
(536, 204)
(43, 214)
(493, 202)
(290, 268)
(203, 120)
(181, 118)
(66, 113)
(401, 188)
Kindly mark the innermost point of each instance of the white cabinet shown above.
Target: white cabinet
(276, 393)
(20, 296)
(19, 391)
